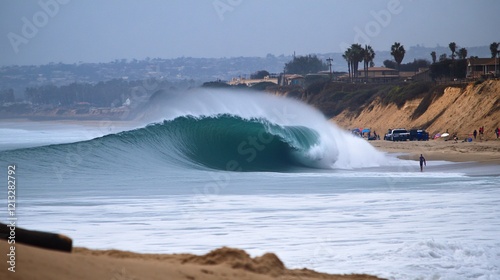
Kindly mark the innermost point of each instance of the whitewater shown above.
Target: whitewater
(204, 169)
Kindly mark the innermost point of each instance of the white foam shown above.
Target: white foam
(374, 174)
(396, 235)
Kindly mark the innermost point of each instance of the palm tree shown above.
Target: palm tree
(494, 49)
(353, 55)
(398, 52)
(494, 53)
(347, 58)
(368, 56)
(357, 54)
(462, 53)
(433, 55)
(453, 48)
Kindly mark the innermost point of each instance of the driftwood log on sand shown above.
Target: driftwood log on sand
(40, 239)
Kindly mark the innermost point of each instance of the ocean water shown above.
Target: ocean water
(207, 169)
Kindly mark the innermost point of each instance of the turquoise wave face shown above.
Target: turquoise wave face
(232, 143)
(227, 142)
(222, 142)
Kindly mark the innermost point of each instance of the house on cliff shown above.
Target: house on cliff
(382, 75)
(378, 75)
(482, 67)
(422, 75)
(291, 80)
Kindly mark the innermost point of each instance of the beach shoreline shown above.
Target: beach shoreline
(485, 152)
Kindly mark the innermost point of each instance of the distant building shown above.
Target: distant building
(127, 102)
(291, 80)
(423, 75)
(295, 80)
(382, 75)
(251, 82)
(482, 67)
(379, 75)
(82, 104)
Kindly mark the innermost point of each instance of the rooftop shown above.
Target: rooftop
(481, 61)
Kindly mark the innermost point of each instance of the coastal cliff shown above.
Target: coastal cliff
(457, 108)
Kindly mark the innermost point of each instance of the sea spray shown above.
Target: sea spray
(335, 148)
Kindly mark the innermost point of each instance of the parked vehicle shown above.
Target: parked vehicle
(398, 134)
(419, 135)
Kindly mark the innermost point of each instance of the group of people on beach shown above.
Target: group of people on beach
(481, 133)
(475, 133)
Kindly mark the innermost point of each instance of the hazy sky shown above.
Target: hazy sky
(42, 31)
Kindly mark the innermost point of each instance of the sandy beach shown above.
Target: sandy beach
(223, 263)
(476, 151)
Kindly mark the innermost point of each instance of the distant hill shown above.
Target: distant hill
(188, 70)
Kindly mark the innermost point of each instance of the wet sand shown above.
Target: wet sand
(487, 152)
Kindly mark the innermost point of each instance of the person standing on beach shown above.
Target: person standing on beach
(497, 132)
(475, 134)
(422, 163)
